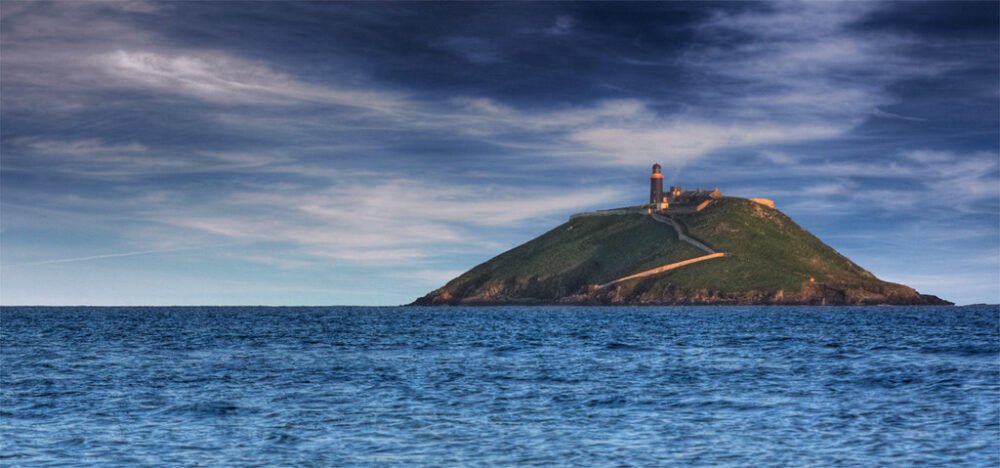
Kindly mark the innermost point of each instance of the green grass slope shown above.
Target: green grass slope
(767, 251)
(581, 252)
(769, 259)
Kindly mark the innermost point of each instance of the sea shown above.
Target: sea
(500, 386)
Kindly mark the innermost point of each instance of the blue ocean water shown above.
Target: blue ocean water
(341, 386)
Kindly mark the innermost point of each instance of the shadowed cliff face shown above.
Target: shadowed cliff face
(769, 260)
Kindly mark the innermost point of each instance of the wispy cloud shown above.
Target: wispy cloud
(563, 25)
(891, 115)
(475, 50)
(678, 143)
(806, 62)
(98, 159)
(113, 255)
(921, 180)
(215, 76)
(384, 221)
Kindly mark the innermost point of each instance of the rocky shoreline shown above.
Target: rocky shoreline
(810, 294)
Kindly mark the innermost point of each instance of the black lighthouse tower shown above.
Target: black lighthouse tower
(655, 186)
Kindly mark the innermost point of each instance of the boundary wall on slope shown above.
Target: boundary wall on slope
(661, 269)
(612, 212)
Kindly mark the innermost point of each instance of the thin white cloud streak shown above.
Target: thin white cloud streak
(890, 115)
(222, 78)
(98, 159)
(114, 255)
(84, 148)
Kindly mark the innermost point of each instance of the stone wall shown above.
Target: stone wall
(616, 211)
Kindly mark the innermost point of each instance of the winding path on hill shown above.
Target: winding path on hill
(680, 233)
(671, 266)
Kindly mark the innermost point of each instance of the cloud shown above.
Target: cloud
(382, 222)
(626, 131)
(804, 62)
(889, 115)
(80, 56)
(679, 143)
(85, 148)
(94, 158)
(563, 25)
(597, 132)
(474, 50)
(219, 77)
(135, 6)
(924, 181)
(114, 255)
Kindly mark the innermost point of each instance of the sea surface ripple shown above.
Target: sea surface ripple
(337, 386)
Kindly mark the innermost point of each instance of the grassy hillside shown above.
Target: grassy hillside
(767, 251)
(769, 259)
(581, 252)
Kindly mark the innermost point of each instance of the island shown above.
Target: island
(685, 247)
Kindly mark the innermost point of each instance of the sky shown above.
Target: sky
(199, 153)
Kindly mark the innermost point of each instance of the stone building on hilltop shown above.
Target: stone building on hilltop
(678, 200)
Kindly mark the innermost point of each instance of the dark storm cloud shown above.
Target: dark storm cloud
(936, 20)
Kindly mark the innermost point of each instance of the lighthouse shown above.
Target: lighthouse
(655, 187)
